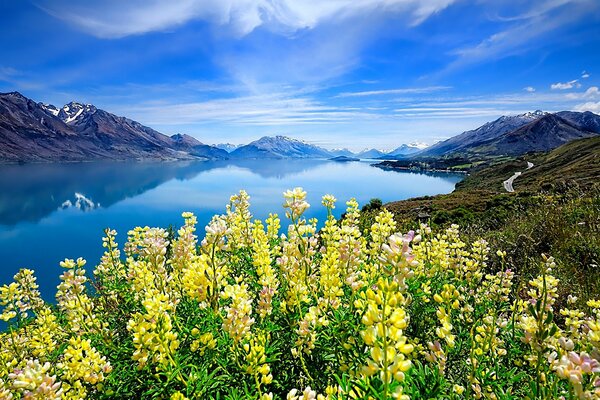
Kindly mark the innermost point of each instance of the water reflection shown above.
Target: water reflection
(33, 191)
(52, 211)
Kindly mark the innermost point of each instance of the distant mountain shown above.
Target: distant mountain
(519, 134)
(279, 147)
(196, 148)
(228, 147)
(370, 154)
(31, 132)
(407, 149)
(341, 152)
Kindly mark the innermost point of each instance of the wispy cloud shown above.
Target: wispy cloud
(7, 73)
(585, 75)
(116, 19)
(529, 89)
(566, 85)
(591, 93)
(422, 90)
(453, 112)
(262, 110)
(524, 31)
(589, 106)
(18, 80)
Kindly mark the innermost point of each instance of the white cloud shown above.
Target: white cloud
(566, 85)
(422, 90)
(589, 106)
(115, 18)
(585, 75)
(529, 89)
(592, 92)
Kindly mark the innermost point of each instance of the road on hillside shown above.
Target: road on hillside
(508, 184)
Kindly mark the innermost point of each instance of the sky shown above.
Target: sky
(336, 73)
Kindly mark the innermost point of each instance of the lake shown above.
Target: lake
(49, 212)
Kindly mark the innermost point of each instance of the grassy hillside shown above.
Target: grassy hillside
(555, 209)
(577, 163)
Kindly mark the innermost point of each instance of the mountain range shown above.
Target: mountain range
(519, 134)
(37, 132)
(31, 132)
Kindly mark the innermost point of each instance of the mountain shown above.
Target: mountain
(196, 148)
(518, 134)
(584, 120)
(341, 153)
(185, 141)
(370, 154)
(228, 147)
(34, 132)
(279, 147)
(544, 134)
(406, 150)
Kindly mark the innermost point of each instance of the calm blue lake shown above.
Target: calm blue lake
(49, 212)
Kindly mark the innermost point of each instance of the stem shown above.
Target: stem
(385, 361)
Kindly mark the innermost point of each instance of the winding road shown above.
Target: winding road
(508, 184)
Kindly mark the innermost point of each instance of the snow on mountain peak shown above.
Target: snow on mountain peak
(535, 114)
(51, 109)
(418, 145)
(73, 110)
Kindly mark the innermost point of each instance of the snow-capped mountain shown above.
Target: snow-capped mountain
(407, 149)
(279, 147)
(50, 109)
(371, 154)
(519, 134)
(341, 152)
(228, 147)
(31, 131)
(72, 111)
(486, 132)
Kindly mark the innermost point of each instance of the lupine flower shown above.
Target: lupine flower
(295, 201)
(34, 382)
(328, 201)
(238, 320)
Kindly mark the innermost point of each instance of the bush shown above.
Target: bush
(373, 205)
(248, 314)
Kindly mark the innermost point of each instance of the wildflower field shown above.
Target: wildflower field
(338, 313)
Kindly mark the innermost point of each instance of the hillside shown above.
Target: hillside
(577, 162)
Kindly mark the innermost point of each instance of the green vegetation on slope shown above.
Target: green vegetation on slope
(555, 209)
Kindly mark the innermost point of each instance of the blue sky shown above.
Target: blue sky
(338, 73)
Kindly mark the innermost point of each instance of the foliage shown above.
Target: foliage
(248, 314)
(373, 205)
